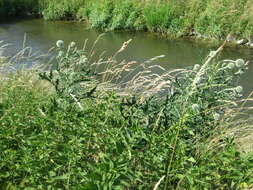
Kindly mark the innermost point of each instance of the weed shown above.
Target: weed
(166, 130)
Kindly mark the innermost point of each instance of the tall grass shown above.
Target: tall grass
(57, 9)
(210, 18)
(215, 19)
(130, 126)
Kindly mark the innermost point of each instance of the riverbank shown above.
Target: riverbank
(73, 127)
(210, 19)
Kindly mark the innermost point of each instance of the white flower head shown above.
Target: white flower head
(60, 43)
(83, 59)
(72, 44)
(239, 89)
(231, 65)
(60, 54)
(196, 67)
(239, 63)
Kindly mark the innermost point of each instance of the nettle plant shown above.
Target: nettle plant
(71, 76)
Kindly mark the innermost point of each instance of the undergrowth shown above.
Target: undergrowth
(73, 126)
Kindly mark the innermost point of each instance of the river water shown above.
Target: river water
(42, 35)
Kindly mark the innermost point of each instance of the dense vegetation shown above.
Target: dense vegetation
(210, 18)
(15, 8)
(76, 126)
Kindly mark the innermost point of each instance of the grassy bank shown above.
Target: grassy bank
(208, 18)
(72, 127)
(211, 18)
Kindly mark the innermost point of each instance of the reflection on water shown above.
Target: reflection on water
(41, 35)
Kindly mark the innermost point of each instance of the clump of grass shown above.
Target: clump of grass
(138, 129)
(58, 10)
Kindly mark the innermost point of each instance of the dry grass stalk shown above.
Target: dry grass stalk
(158, 183)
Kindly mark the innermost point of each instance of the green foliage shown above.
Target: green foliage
(10, 8)
(220, 18)
(58, 10)
(212, 18)
(125, 15)
(62, 130)
(157, 17)
(101, 14)
(71, 76)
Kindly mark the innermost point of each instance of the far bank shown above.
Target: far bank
(200, 19)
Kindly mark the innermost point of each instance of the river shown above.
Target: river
(41, 35)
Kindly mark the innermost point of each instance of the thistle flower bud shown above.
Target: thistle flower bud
(83, 59)
(231, 65)
(239, 89)
(60, 54)
(239, 63)
(72, 44)
(196, 67)
(60, 43)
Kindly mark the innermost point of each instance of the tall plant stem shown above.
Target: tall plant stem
(173, 154)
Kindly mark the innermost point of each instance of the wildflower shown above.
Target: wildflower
(239, 63)
(216, 116)
(196, 67)
(72, 44)
(231, 65)
(60, 43)
(83, 59)
(239, 89)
